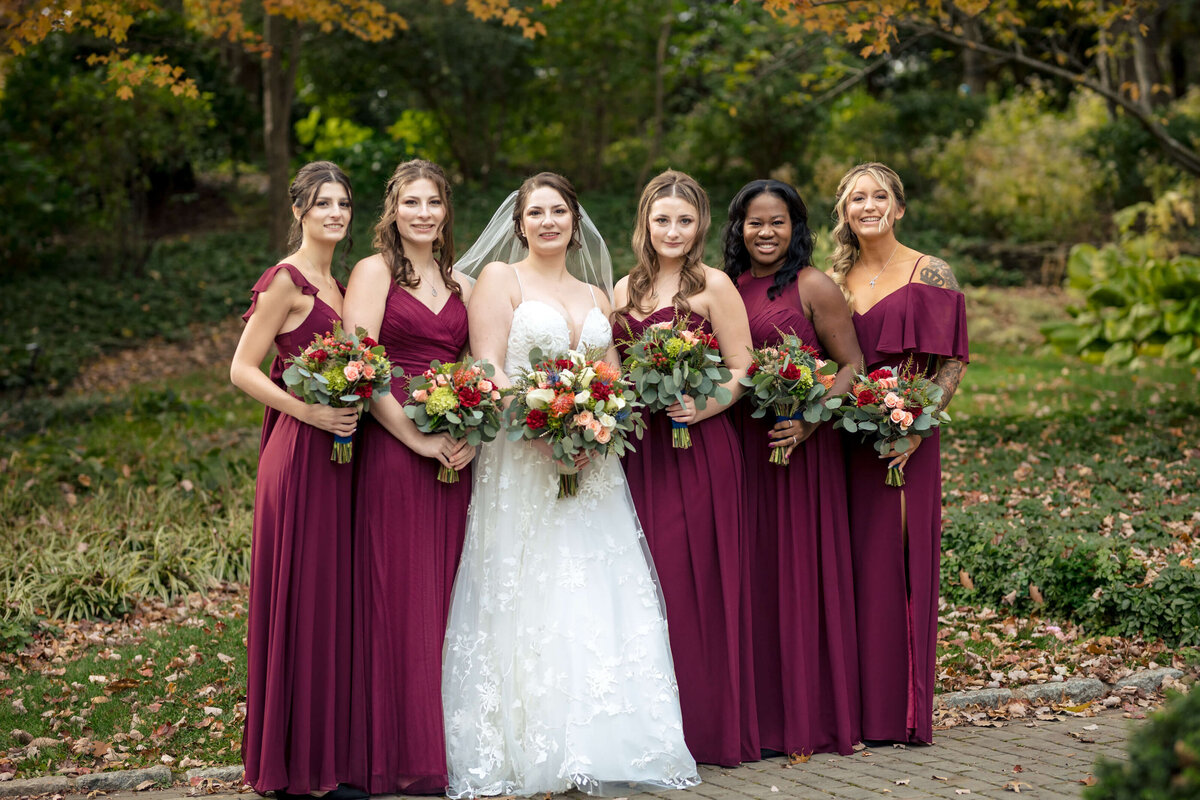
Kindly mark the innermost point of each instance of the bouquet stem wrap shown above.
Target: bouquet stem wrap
(343, 449)
(681, 437)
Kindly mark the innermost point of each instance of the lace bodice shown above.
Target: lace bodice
(538, 324)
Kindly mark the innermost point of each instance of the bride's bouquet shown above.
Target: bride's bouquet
(789, 379)
(459, 399)
(576, 401)
(669, 359)
(889, 405)
(343, 370)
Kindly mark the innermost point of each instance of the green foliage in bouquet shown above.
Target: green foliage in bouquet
(788, 378)
(1164, 758)
(460, 406)
(670, 360)
(319, 373)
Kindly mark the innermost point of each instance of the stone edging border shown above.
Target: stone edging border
(1074, 691)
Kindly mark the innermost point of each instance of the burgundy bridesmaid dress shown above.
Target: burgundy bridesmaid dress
(691, 508)
(408, 536)
(896, 577)
(298, 632)
(802, 598)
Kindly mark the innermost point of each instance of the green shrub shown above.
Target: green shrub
(1164, 758)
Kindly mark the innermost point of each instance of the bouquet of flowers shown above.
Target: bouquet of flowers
(789, 379)
(668, 359)
(890, 404)
(577, 401)
(459, 399)
(343, 370)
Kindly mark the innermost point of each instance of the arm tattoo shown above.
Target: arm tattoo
(938, 273)
(948, 376)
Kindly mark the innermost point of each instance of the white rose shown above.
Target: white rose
(567, 376)
(607, 420)
(582, 397)
(539, 398)
(616, 402)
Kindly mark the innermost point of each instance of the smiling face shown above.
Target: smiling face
(870, 208)
(546, 221)
(672, 226)
(767, 230)
(420, 212)
(328, 220)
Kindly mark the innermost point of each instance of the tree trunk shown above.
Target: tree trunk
(279, 70)
(972, 60)
(656, 125)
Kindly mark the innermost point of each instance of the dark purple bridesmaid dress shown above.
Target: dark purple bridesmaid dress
(802, 598)
(298, 632)
(896, 576)
(408, 536)
(691, 508)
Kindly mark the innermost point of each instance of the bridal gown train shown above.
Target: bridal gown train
(557, 671)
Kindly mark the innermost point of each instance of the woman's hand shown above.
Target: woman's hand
(463, 454)
(789, 433)
(684, 412)
(338, 421)
(441, 447)
(901, 459)
(582, 459)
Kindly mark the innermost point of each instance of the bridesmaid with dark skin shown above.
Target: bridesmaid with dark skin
(298, 632)
(907, 310)
(408, 526)
(690, 501)
(802, 600)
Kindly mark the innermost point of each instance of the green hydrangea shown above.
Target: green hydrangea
(337, 381)
(675, 346)
(441, 400)
(806, 376)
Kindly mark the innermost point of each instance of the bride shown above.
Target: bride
(557, 670)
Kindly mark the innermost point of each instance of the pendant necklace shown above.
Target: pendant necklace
(871, 282)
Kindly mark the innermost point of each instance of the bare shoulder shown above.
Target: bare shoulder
(717, 280)
(463, 278)
(936, 272)
(372, 269)
(282, 284)
(816, 284)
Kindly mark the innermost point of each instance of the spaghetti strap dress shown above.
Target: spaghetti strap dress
(298, 631)
(802, 597)
(408, 536)
(691, 503)
(896, 576)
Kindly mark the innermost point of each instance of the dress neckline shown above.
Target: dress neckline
(895, 292)
(565, 320)
(421, 302)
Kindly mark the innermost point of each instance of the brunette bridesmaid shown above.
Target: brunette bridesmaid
(806, 665)
(691, 501)
(298, 635)
(907, 307)
(408, 526)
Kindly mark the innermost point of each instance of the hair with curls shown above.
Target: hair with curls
(846, 248)
(799, 250)
(691, 277)
(558, 183)
(387, 236)
(303, 193)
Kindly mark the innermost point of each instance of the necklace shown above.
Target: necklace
(871, 282)
(426, 279)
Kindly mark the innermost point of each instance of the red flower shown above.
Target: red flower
(563, 363)
(469, 397)
(791, 373)
(535, 419)
(369, 342)
(752, 369)
(914, 410)
(879, 374)
(319, 356)
(364, 391)
(601, 391)
(866, 397)
(812, 351)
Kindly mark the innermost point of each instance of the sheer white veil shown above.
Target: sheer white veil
(590, 263)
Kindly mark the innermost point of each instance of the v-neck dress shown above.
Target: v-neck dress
(408, 536)
(802, 598)
(896, 587)
(298, 631)
(691, 503)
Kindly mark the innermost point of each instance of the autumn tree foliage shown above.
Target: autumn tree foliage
(274, 30)
(1110, 47)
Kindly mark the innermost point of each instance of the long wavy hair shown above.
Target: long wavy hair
(303, 193)
(846, 247)
(559, 184)
(799, 250)
(691, 278)
(387, 235)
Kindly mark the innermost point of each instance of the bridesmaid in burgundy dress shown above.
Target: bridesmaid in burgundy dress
(408, 526)
(298, 637)
(906, 305)
(691, 501)
(805, 659)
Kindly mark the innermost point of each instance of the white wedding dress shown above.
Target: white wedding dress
(557, 670)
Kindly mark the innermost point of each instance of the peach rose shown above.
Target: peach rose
(584, 419)
(368, 372)
(889, 383)
(603, 435)
(352, 370)
(443, 380)
(908, 420)
(495, 394)
(485, 386)
(420, 395)
(892, 400)
(897, 415)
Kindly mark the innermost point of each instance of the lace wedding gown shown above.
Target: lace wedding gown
(557, 670)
